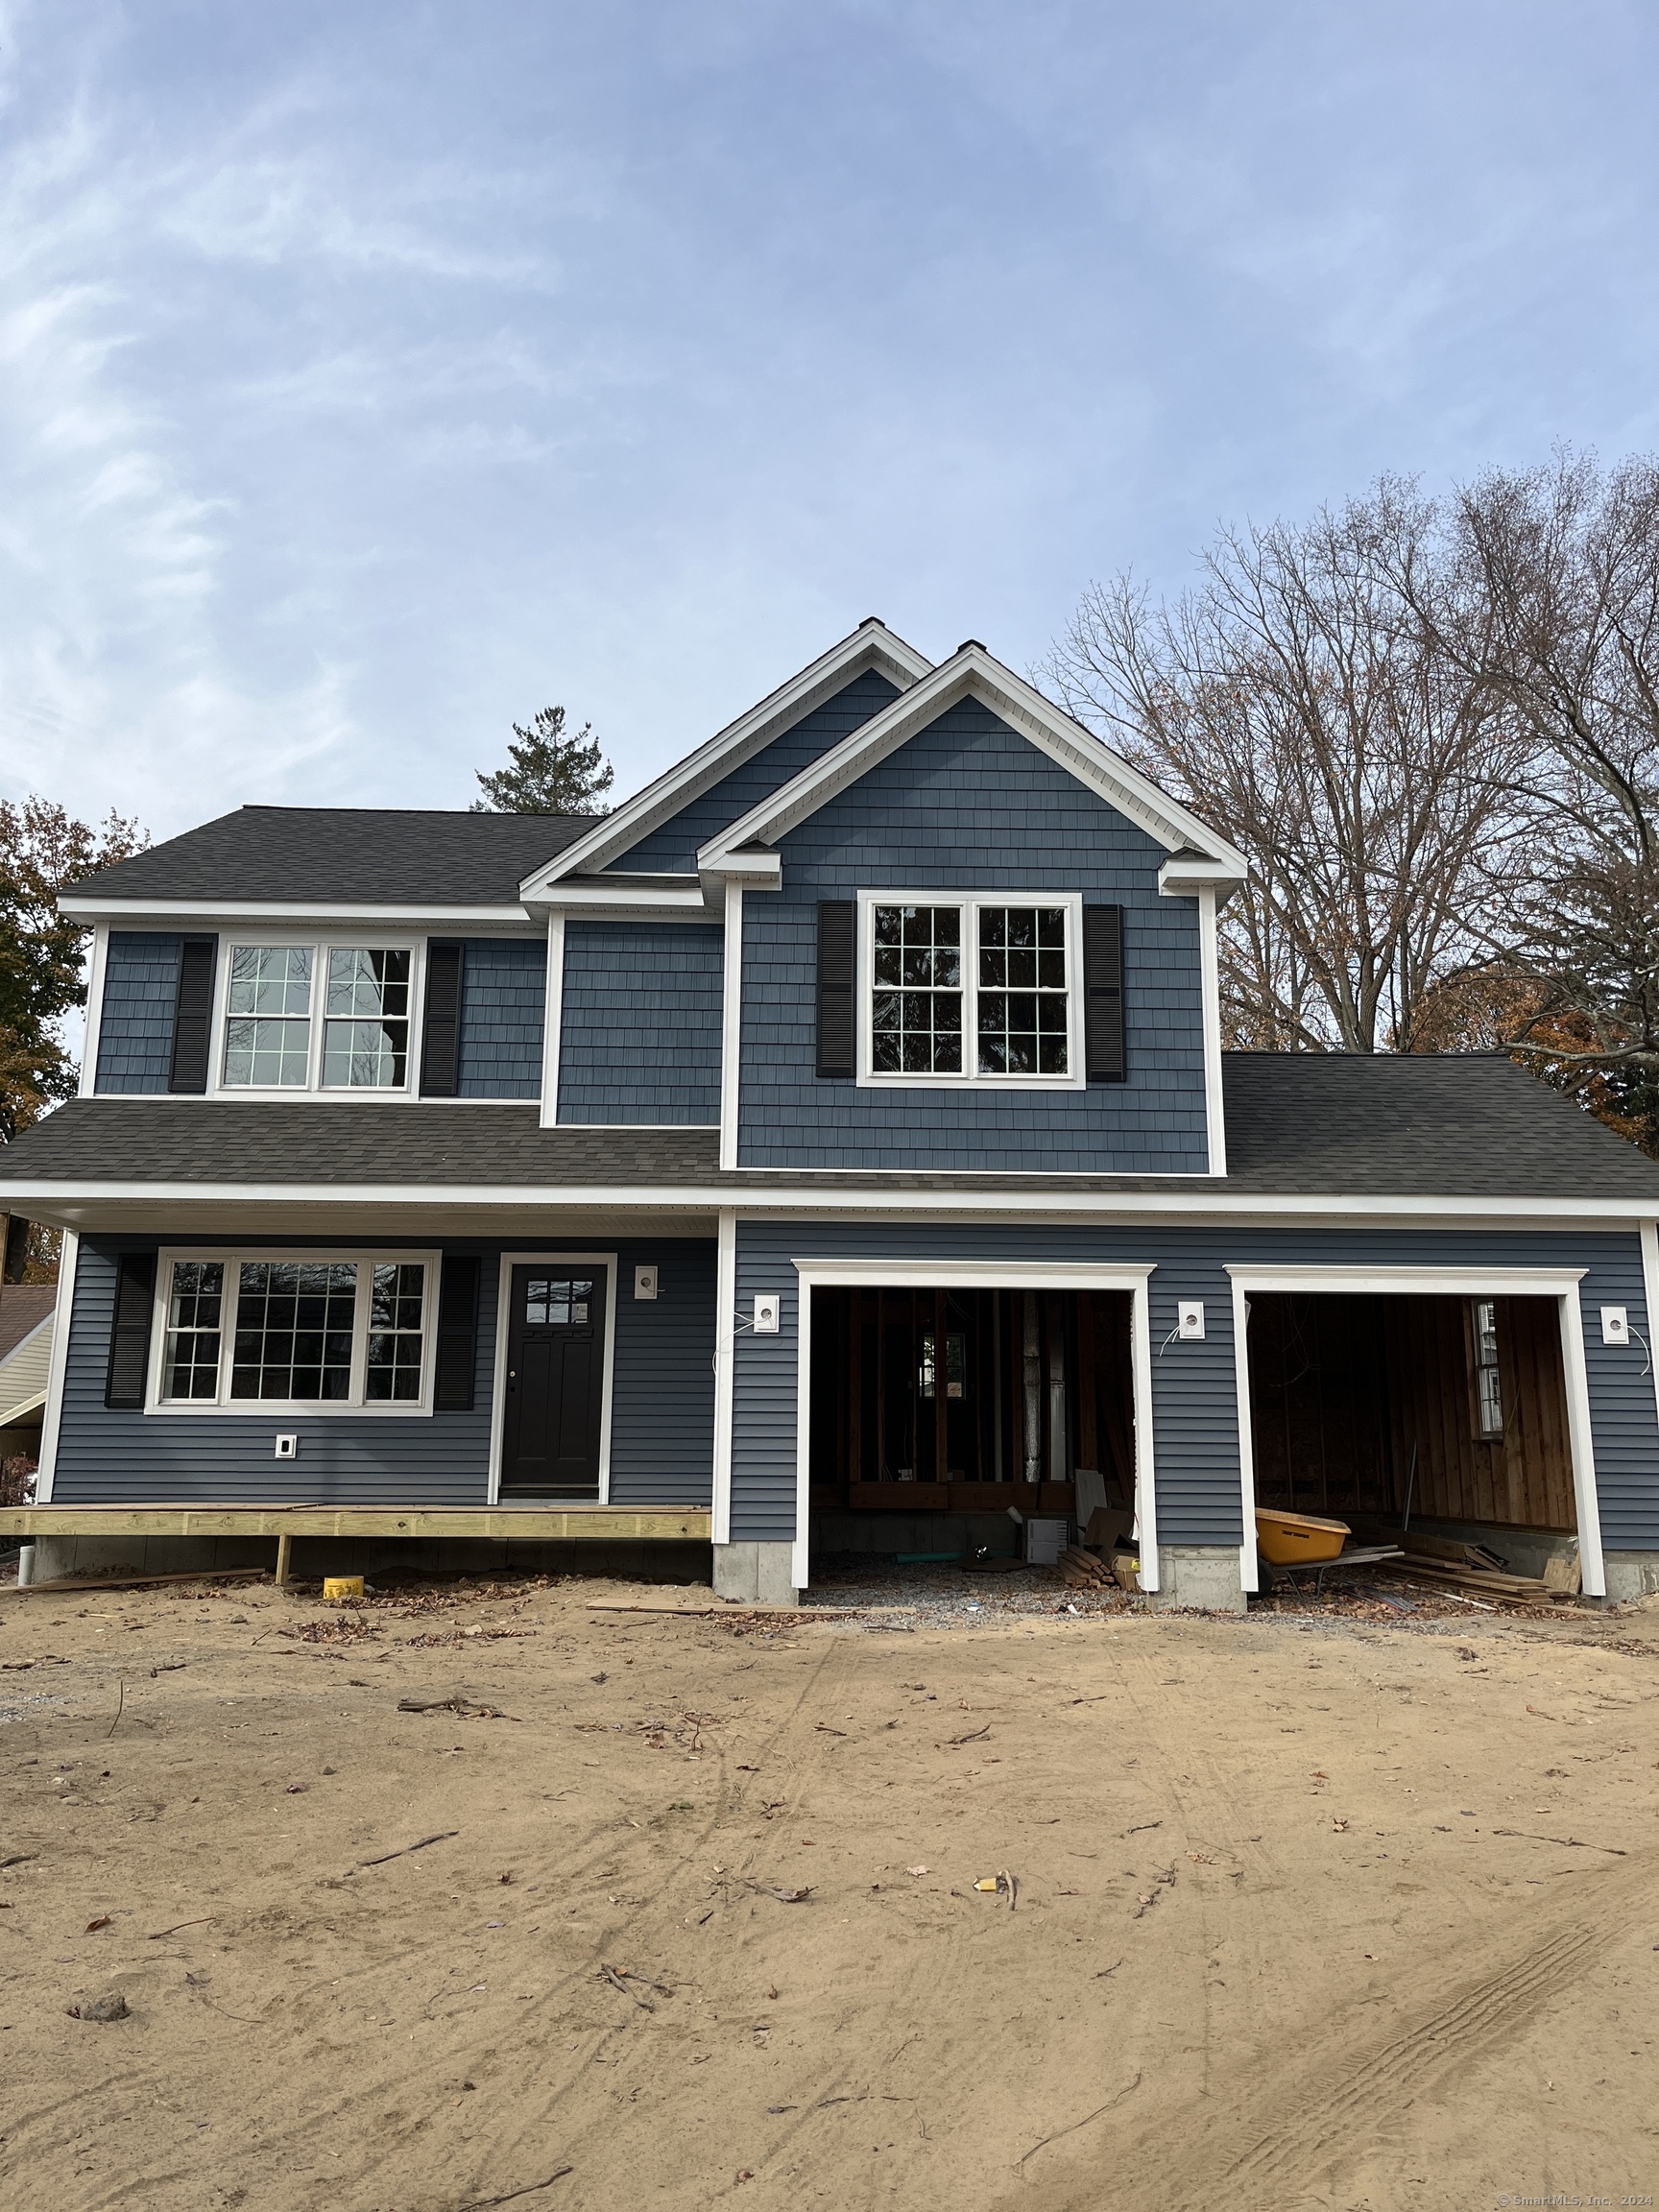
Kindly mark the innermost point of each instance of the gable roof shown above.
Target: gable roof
(872, 645)
(23, 1306)
(335, 856)
(1197, 853)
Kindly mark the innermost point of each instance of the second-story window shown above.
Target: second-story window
(309, 1016)
(972, 989)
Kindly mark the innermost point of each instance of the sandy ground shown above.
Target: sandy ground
(1296, 1921)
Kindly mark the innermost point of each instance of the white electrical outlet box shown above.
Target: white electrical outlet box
(644, 1281)
(1190, 1317)
(287, 1447)
(766, 1307)
(1615, 1325)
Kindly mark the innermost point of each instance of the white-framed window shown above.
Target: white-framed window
(980, 988)
(1485, 1369)
(291, 1332)
(301, 1016)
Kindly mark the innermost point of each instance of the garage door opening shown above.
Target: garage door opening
(1449, 1414)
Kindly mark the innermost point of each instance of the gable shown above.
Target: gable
(674, 845)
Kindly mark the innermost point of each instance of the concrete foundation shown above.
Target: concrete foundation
(755, 1574)
(314, 1556)
(1631, 1574)
(1204, 1578)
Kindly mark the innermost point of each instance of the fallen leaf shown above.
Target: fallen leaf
(104, 1920)
(791, 1896)
(298, 1789)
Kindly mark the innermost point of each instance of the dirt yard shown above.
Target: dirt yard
(1309, 1912)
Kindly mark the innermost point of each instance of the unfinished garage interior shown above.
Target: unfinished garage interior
(948, 1405)
(1445, 1415)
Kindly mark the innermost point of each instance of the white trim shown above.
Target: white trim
(1191, 1198)
(725, 1360)
(319, 945)
(731, 1026)
(498, 1386)
(94, 1030)
(1650, 1297)
(1562, 1283)
(632, 903)
(1249, 1575)
(62, 1314)
(1209, 984)
(971, 671)
(968, 904)
(553, 1020)
(356, 1405)
(205, 914)
(872, 645)
(984, 1275)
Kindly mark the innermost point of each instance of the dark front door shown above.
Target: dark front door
(555, 1383)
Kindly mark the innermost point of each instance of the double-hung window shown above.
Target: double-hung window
(980, 989)
(318, 1017)
(336, 1331)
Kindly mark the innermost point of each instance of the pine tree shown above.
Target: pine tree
(548, 773)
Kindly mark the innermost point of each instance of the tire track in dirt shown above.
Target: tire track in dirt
(1282, 2120)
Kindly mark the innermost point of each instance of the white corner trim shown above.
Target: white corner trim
(974, 672)
(730, 1026)
(1651, 1296)
(872, 645)
(503, 1319)
(725, 1350)
(553, 1020)
(94, 1012)
(1562, 1283)
(1249, 1571)
(1209, 985)
(62, 1314)
(977, 1275)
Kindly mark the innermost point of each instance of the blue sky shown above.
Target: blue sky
(374, 373)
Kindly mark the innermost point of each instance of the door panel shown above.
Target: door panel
(555, 1382)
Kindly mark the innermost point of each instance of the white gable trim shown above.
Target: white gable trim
(972, 672)
(872, 645)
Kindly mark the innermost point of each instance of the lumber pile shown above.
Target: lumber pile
(1441, 1562)
(1081, 1570)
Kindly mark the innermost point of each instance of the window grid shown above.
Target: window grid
(1488, 1375)
(369, 1049)
(397, 1330)
(268, 1009)
(362, 1003)
(1014, 995)
(295, 1322)
(195, 1309)
(558, 1302)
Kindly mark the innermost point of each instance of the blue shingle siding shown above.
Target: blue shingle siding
(141, 988)
(640, 1035)
(503, 1005)
(1194, 1404)
(662, 1431)
(675, 845)
(970, 806)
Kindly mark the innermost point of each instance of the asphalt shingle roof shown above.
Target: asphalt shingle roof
(370, 855)
(1297, 1125)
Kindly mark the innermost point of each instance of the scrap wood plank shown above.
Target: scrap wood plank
(745, 1612)
(70, 1583)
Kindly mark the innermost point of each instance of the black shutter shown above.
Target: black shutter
(130, 1335)
(1103, 994)
(837, 935)
(457, 1333)
(193, 1015)
(440, 1045)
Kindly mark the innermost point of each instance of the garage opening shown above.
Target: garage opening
(937, 1402)
(1451, 1412)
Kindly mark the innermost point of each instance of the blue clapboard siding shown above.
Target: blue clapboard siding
(1193, 1395)
(970, 806)
(503, 1002)
(141, 988)
(661, 1438)
(674, 846)
(639, 1033)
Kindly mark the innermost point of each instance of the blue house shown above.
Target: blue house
(828, 1150)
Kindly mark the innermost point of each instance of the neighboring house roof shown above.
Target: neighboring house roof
(1304, 1125)
(338, 856)
(23, 1306)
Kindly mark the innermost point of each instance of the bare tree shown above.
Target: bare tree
(1299, 703)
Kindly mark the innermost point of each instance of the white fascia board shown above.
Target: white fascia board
(626, 902)
(754, 871)
(76, 1206)
(1186, 875)
(206, 914)
(974, 672)
(872, 645)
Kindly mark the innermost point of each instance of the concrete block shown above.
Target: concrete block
(755, 1574)
(1631, 1574)
(1203, 1577)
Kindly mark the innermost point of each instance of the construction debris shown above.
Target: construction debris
(1081, 1570)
